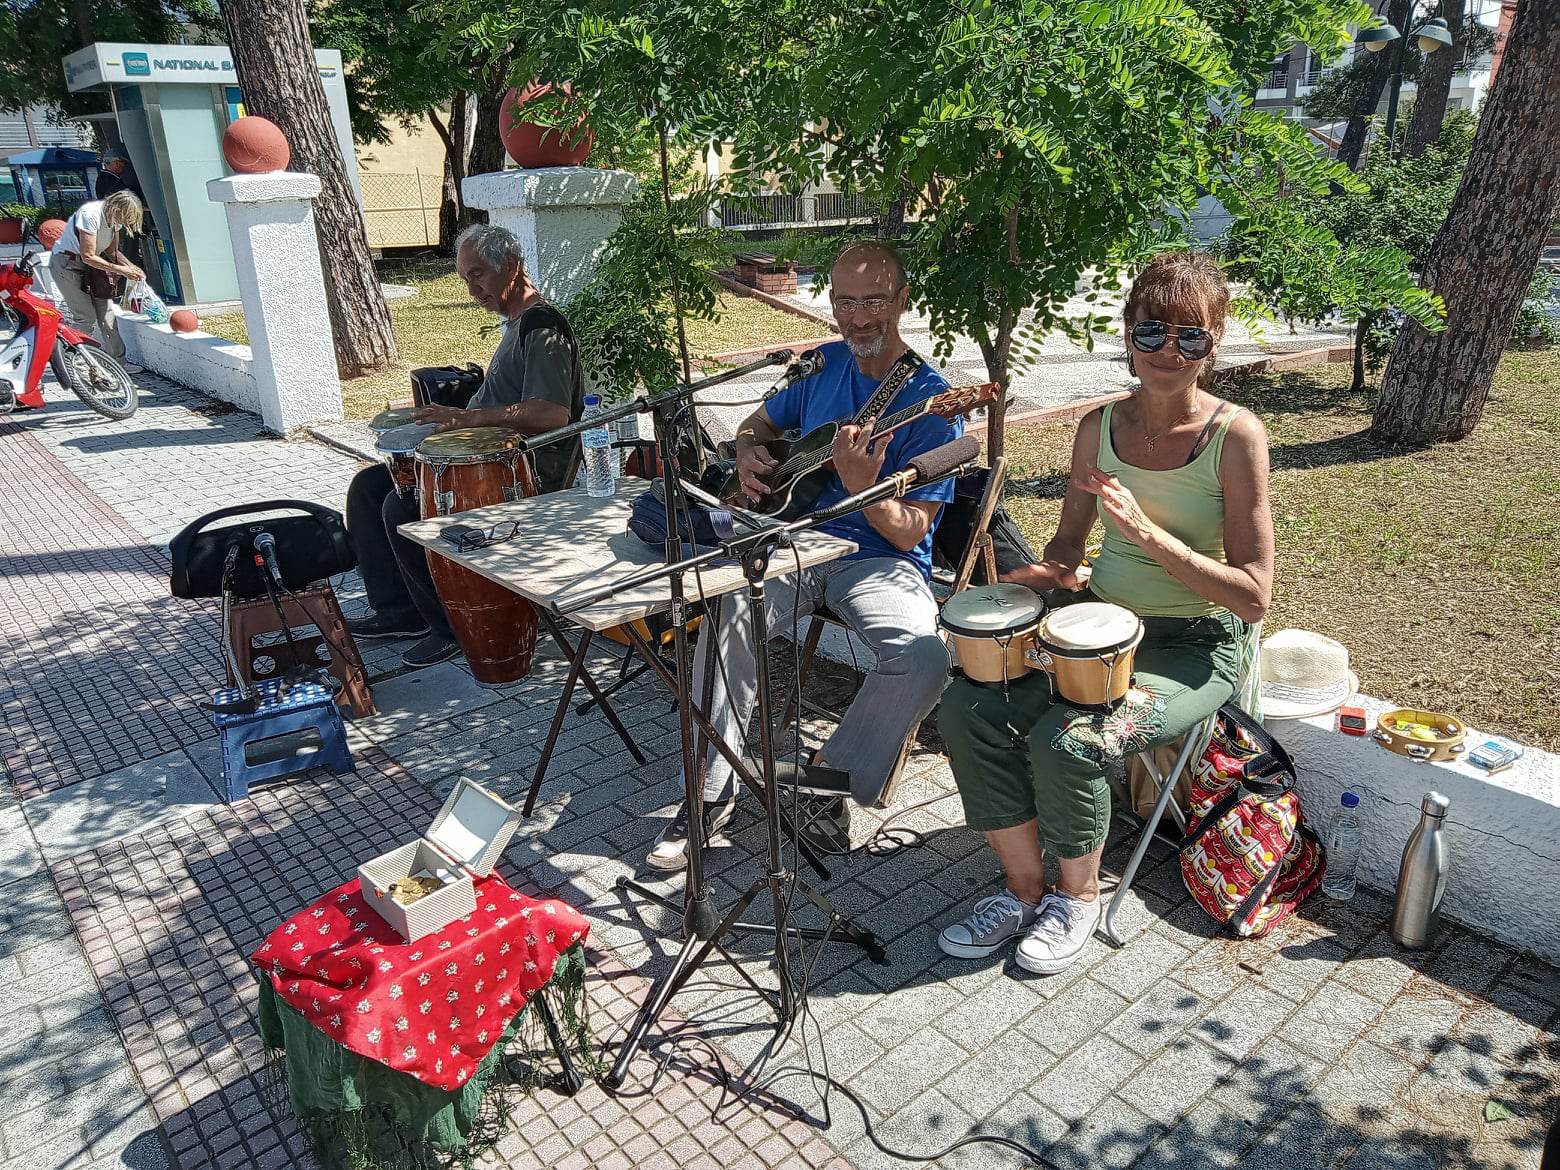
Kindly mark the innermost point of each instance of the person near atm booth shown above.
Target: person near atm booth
(532, 385)
(881, 592)
(115, 175)
(87, 260)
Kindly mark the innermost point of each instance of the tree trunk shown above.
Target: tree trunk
(1435, 85)
(486, 154)
(1361, 331)
(1484, 255)
(274, 59)
(81, 16)
(1369, 100)
(454, 137)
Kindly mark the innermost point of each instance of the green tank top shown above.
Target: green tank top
(1187, 502)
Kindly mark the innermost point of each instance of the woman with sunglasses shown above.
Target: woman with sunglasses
(1178, 480)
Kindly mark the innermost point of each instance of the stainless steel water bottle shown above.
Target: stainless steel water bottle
(1422, 878)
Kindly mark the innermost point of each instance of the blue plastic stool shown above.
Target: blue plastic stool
(307, 705)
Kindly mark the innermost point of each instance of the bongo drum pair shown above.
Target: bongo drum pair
(1001, 633)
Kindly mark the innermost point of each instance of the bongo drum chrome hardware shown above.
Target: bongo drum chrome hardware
(1089, 647)
(992, 629)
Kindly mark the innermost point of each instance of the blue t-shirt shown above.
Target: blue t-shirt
(834, 394)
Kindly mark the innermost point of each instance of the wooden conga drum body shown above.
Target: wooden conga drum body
(398, 448)
(471, 468)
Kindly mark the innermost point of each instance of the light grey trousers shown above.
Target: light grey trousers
(83, 312)
(883, 600)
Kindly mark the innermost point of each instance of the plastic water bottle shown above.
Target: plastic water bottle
(1343, 850)
(600, 466)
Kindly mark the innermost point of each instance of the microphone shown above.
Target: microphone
(802, 366)
(927, 467)
(265, 553)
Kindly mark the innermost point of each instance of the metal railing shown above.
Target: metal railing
(770, 211)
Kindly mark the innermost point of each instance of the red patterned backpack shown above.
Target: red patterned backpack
(1248, 858)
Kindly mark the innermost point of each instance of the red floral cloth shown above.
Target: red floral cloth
(433, 1008)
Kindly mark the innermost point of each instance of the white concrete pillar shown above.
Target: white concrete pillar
(277, 254)
(562, 217)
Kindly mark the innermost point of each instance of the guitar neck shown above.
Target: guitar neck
(889, 422)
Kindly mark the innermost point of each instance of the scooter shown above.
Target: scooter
(42, 336)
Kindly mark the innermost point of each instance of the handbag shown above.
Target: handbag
(1248, 858)
(97, 284)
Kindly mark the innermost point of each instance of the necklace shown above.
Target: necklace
(1152, 437)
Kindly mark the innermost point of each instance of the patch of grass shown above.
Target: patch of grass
(1439, 568)
(442, 327)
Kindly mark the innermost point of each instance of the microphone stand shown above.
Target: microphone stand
(754, 550)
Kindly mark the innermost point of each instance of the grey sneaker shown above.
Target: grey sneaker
(996, 921)
(670, 850)
(1061, 930)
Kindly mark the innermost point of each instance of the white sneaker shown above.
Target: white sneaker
(996, 921)
(670, 850)
(132, 369)
(1061, 930)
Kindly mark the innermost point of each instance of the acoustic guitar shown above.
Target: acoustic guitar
(804, 463)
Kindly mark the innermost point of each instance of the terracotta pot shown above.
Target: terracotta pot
(184, 321)
(11, 229)
(531, 145)
(253, 146)
(49, 231)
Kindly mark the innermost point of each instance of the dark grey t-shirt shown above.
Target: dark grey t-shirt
(538, 360)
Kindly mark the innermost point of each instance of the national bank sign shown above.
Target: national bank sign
(109, 64)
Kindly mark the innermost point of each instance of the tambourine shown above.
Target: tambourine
(1421, 735)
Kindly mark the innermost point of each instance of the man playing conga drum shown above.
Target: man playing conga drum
(1179, 480)
(532, 385)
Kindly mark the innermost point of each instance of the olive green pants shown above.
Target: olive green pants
(1020, 754)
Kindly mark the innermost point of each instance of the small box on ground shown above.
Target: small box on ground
(426, 884)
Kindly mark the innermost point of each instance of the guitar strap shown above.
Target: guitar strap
(888, 389)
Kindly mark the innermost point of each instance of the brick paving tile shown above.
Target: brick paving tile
(90, 634)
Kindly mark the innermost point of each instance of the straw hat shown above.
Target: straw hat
(1304, 674)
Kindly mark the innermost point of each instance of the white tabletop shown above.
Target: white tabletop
(570, 542)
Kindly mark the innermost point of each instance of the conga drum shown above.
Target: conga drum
(398, 448)
(391, 417)
(1090, 648)
(471, 468)
(992, 631)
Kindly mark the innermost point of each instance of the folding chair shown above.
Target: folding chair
(1193, 744)
(945, 583)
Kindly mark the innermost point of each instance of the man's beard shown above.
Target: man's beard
(867, 349)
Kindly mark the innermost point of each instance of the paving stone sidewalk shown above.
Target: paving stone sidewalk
(129, 1037)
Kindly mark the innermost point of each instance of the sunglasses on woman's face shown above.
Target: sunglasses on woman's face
(1192, 341)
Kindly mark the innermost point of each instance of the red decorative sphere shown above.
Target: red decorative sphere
(49, 231)
(11, 229)
(253, 146)
(531, 145)
(184, 321)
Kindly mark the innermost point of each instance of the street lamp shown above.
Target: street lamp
(1431, 36)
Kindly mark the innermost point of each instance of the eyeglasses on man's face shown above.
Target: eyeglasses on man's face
(873, 305)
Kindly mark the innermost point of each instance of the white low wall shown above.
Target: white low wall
(213, 365)
(1502, 832)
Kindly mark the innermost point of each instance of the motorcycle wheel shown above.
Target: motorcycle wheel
(95, 378)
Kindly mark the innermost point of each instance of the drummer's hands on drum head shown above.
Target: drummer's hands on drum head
(1044, 575)
(1120, 505)
(445, 416)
